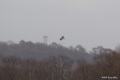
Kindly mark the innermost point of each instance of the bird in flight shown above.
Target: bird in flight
(62, 38)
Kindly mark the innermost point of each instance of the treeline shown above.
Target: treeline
(36, 61)
(41, 51)
(61, 68)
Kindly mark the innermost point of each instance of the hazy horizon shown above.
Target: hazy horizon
(89, 23)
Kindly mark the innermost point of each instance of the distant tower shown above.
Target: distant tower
(45, 39)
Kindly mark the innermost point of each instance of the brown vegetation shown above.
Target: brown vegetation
(57, 67)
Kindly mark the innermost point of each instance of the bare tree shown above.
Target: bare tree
(28, 67)
(82, 70)
(106, 63)
(8, 72)
(11, 60)
(80, 48)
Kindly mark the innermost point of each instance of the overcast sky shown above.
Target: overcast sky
(90, 23)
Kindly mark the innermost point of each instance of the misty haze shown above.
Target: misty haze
(59, 39)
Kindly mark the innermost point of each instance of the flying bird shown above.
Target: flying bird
(62, 38)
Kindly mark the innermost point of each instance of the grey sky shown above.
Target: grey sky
(90, 23)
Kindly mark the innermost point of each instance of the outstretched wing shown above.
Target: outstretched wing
(62, 38)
